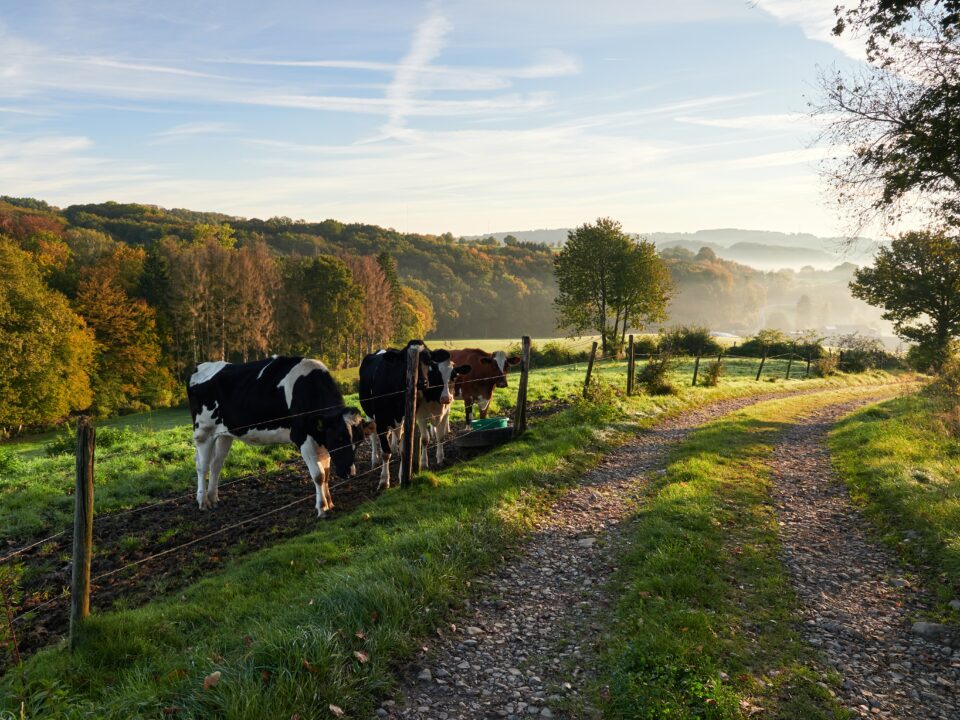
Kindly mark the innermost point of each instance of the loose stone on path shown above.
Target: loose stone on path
(862, 615)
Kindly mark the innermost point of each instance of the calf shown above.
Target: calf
(267, 402)
(487, 371)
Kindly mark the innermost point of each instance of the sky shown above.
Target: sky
(445, 116)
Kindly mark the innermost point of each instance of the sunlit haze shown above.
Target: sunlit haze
(459, 116)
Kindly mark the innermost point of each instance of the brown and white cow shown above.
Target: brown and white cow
(487, 371)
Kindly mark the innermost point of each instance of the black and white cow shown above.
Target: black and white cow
(267, 402)
(383, 381)
(434, 403)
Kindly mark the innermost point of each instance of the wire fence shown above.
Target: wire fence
(598, 365)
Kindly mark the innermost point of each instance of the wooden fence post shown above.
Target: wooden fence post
(808, 367)
(82, 529)
(789, 365)
(520, 411)
(763, 359)
(593, 356)
(630, 361)
(409, 415)
(696, 369)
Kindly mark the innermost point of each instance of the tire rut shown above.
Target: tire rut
(524, 646)
(858, 609)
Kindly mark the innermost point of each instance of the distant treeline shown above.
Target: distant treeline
(113, 304)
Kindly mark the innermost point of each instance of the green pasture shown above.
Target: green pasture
(149, 455)
(900, 461)
(281, 624)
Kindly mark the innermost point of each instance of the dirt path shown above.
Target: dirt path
(859, 610)
(523, 648)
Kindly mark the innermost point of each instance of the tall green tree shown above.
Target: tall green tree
(46, 351)
(321, 309)
(916, 280)
(609, 282)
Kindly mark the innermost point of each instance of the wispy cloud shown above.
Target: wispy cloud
(426, 45)
(192, 129)
(779, 121)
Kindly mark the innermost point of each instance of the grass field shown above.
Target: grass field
(900, 461)
(706, 624)
(143, 456)
(281, 624)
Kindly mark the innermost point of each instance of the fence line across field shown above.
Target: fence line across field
(408, 465)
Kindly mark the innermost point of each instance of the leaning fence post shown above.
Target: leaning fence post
(593, 355)
(696, 368)
(409, 414)
(82, 528)
(763, 359)
(630, 361)
(808, 367)
(520, 411)
(789, 365)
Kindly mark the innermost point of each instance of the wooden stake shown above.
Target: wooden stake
(82, 529)
(763, 359)
(593, 356)
(520, 411)
(808, 367)
(630, 364)
(409, 415)
(696, 369)
(789, 365)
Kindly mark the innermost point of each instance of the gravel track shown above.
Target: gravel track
(523, 648)
(859, 609)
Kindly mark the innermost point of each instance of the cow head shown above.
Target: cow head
(441, 374)
(502, 363)
(343, 432)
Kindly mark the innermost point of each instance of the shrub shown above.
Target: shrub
(645, 345)
(655, 376)
(552, 353)
(775, 342)
(63, 442)
(826, 366)
(688, 340)
(712, 373)
(10, 461)
(860, 353)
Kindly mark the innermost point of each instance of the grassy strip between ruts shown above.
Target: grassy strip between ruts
(325, 618)
(705, 623)
(899, 460)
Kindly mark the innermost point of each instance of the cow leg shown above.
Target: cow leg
(220, 449)
(325, 485)
(202, 454)
(424, 428)
(374, 449)
(484, 406)
(308, 451)
(385, 439)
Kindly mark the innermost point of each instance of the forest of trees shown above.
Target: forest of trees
(112, 305)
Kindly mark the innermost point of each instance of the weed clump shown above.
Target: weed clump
(826, 366)
(712, 373)
(655, 376)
